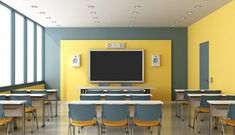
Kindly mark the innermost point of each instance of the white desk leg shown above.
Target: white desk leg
(189, 113)
(210, 120)
(23, 119)
(43, 113)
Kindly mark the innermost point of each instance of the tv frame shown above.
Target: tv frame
(143, 65)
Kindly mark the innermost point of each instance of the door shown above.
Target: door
(204, 65)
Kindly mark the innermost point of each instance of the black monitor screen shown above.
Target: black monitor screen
(116, 66)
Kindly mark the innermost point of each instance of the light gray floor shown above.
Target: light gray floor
(170, 125)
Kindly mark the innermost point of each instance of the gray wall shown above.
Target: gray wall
(177, 35)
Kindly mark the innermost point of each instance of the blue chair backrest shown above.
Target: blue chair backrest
(138, 97)
(135, 91)
(148, 112)
(40, 92)
(115, 112)
(212, 91)
(90, 97)
(115, 91)
(94, 92)
(26, 98)
(186, 92)
(82, 112)
(204, 99)
(1, 111)
(19, 92)
(230, 97)
(231, 113)
(115, 97)
(2, 98)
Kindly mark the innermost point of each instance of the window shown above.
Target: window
(39, 53)
(5, 46)
(30, 51)
(19, 49)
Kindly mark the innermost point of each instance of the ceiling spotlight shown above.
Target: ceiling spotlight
(95, 17)
(34, 6)
(97, 21)
(42, 12)
(91, 6)
(198, 6)
(48, 17)
(53, 21)
(177, 22)
(92, 12)
(132, 21)
(189, 12)
(135, 12)
(133, 17)
(137, 6)
(182, 17)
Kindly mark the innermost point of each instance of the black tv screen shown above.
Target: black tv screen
(116, 66)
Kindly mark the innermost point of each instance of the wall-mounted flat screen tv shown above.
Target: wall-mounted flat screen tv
(116, 65)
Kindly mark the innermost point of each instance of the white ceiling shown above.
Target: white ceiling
(115, 13)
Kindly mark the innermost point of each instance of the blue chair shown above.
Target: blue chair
(230, 97)
(4, 121)
(20, 91)
(115, 115)
(185, 102)
(203, 108)
(90, 97)
(115, 92)
(140, 97)
(81, 115)
(46, 101)
(212, 91)
(2, 98)
(29, 109)
(136, 91)
(148, 116)
(91, 91)
(115, 97)
(230, 121)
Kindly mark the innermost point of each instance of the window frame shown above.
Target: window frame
(35, 24)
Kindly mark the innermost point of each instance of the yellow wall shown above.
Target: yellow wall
(219, 29)
(37, 86)
(73, 78)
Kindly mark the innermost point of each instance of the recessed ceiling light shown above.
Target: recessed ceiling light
(177, 22)
(198, 6)
(34, 6)
(91, 6)
(53, 21)
(48, 17)
(137, 6)
(133, 17)
(132, 21)
(182, 17)
(97, 21)
(189, 12)
(135, 12)
(41, 12)
(95, 17)
(92, 12)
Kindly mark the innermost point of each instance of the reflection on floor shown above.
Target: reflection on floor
(171, 125)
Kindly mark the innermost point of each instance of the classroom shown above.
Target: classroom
(108, 67)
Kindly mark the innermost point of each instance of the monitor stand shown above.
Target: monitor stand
(104, 84)
(126, 84)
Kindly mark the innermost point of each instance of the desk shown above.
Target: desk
(130, 102)
(37, 101)
(127, 95)
(147, 89)
(15, 108)
(219, 108)
(194, 101)
(52, 96)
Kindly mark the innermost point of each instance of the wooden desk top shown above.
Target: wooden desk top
(221, 102)
(31, 95)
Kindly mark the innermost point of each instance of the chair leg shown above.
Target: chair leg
(98, 129)
(36, 118)
(222, 126)
(51, 110)
(198, 120)
(33, 119)
(12, 128)
(132, 129)
(182, 111)
(73, 130)
(69, 129)
(7, 128)
(194, 119)
(159, 130)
